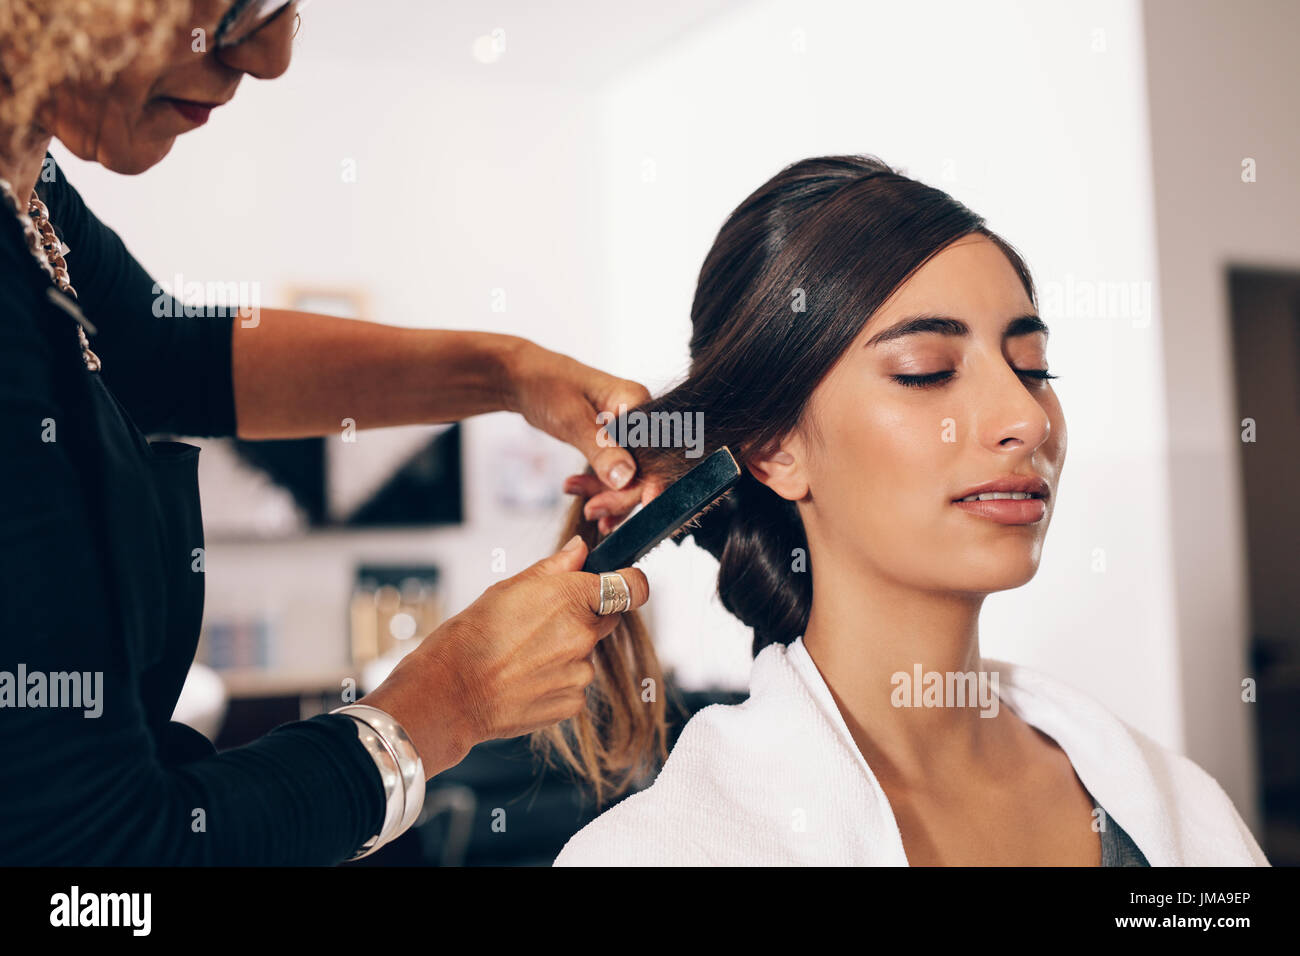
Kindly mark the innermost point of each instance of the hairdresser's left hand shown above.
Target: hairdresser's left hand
(562, 397)
(608, 508)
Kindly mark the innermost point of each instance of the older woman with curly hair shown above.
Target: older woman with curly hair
(100, 598)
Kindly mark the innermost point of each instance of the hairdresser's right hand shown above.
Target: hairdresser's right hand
(514, 661)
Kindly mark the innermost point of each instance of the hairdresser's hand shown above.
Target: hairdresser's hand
(563, 398)
(514, 661)
(607, 508)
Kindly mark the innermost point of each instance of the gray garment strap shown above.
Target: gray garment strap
(1117, 847)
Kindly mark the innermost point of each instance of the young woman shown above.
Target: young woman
(872, 355)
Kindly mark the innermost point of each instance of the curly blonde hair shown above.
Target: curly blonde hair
(46, 43)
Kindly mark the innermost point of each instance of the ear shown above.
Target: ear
(781, 468)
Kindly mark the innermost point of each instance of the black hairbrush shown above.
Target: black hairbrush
(676, 506)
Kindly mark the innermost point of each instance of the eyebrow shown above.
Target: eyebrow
(946, 325)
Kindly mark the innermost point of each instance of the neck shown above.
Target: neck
(864, 628)
(22, 165)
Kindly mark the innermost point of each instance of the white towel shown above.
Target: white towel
(778, 780)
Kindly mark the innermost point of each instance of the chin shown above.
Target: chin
(992, 569)
(984, 584)
(1011, 573)
(135, 161)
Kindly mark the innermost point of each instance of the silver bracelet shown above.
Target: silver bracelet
(394, 793)
(400, 768)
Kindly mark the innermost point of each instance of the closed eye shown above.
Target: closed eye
(924, 381)
(932, 379)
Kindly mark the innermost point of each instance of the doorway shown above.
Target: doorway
(1265, 310)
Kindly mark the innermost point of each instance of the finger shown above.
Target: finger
(599, 495)
(613, 464)
(570, 705)
(579, 674)
(651, 489)
(637, 585)
(590, 487)
(551, 710)
(586, 485)
(616, 503)
(622, 393)
(564, 695)
(616, 466)
(625, 392)
(565, 674)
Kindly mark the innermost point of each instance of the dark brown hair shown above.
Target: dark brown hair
(836, 235)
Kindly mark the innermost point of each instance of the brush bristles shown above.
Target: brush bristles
(694, 523)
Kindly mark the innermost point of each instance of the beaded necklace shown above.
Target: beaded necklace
(48, 251)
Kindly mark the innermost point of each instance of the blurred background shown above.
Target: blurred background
(559, 171)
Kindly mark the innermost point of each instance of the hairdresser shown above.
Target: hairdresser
(100, 590)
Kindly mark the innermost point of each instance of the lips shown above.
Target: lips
(1011, 499)
(1010, 484)
(192, 110)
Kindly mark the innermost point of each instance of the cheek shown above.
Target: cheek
(128, 104)
(1059, 429)
(97, 118)
(1054, 450)
(885, 461)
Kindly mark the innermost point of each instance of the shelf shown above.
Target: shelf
(259, 682)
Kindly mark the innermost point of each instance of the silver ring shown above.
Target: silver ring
(615, 597)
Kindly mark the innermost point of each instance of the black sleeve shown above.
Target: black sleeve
(170, 370)
(78, 787)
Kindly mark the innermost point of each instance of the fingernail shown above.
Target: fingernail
(573, 543)
(619, 475)
(599, 513)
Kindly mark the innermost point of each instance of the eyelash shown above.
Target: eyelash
(938, 378)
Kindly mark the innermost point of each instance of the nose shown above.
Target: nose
(1011, 417)
(265, 54)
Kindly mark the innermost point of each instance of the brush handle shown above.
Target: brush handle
(665, 515)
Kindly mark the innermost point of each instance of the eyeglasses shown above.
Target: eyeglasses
(246, 17)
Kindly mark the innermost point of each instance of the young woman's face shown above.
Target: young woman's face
(132, 123)
(911, 420)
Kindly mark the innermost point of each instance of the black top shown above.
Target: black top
(99, 531)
